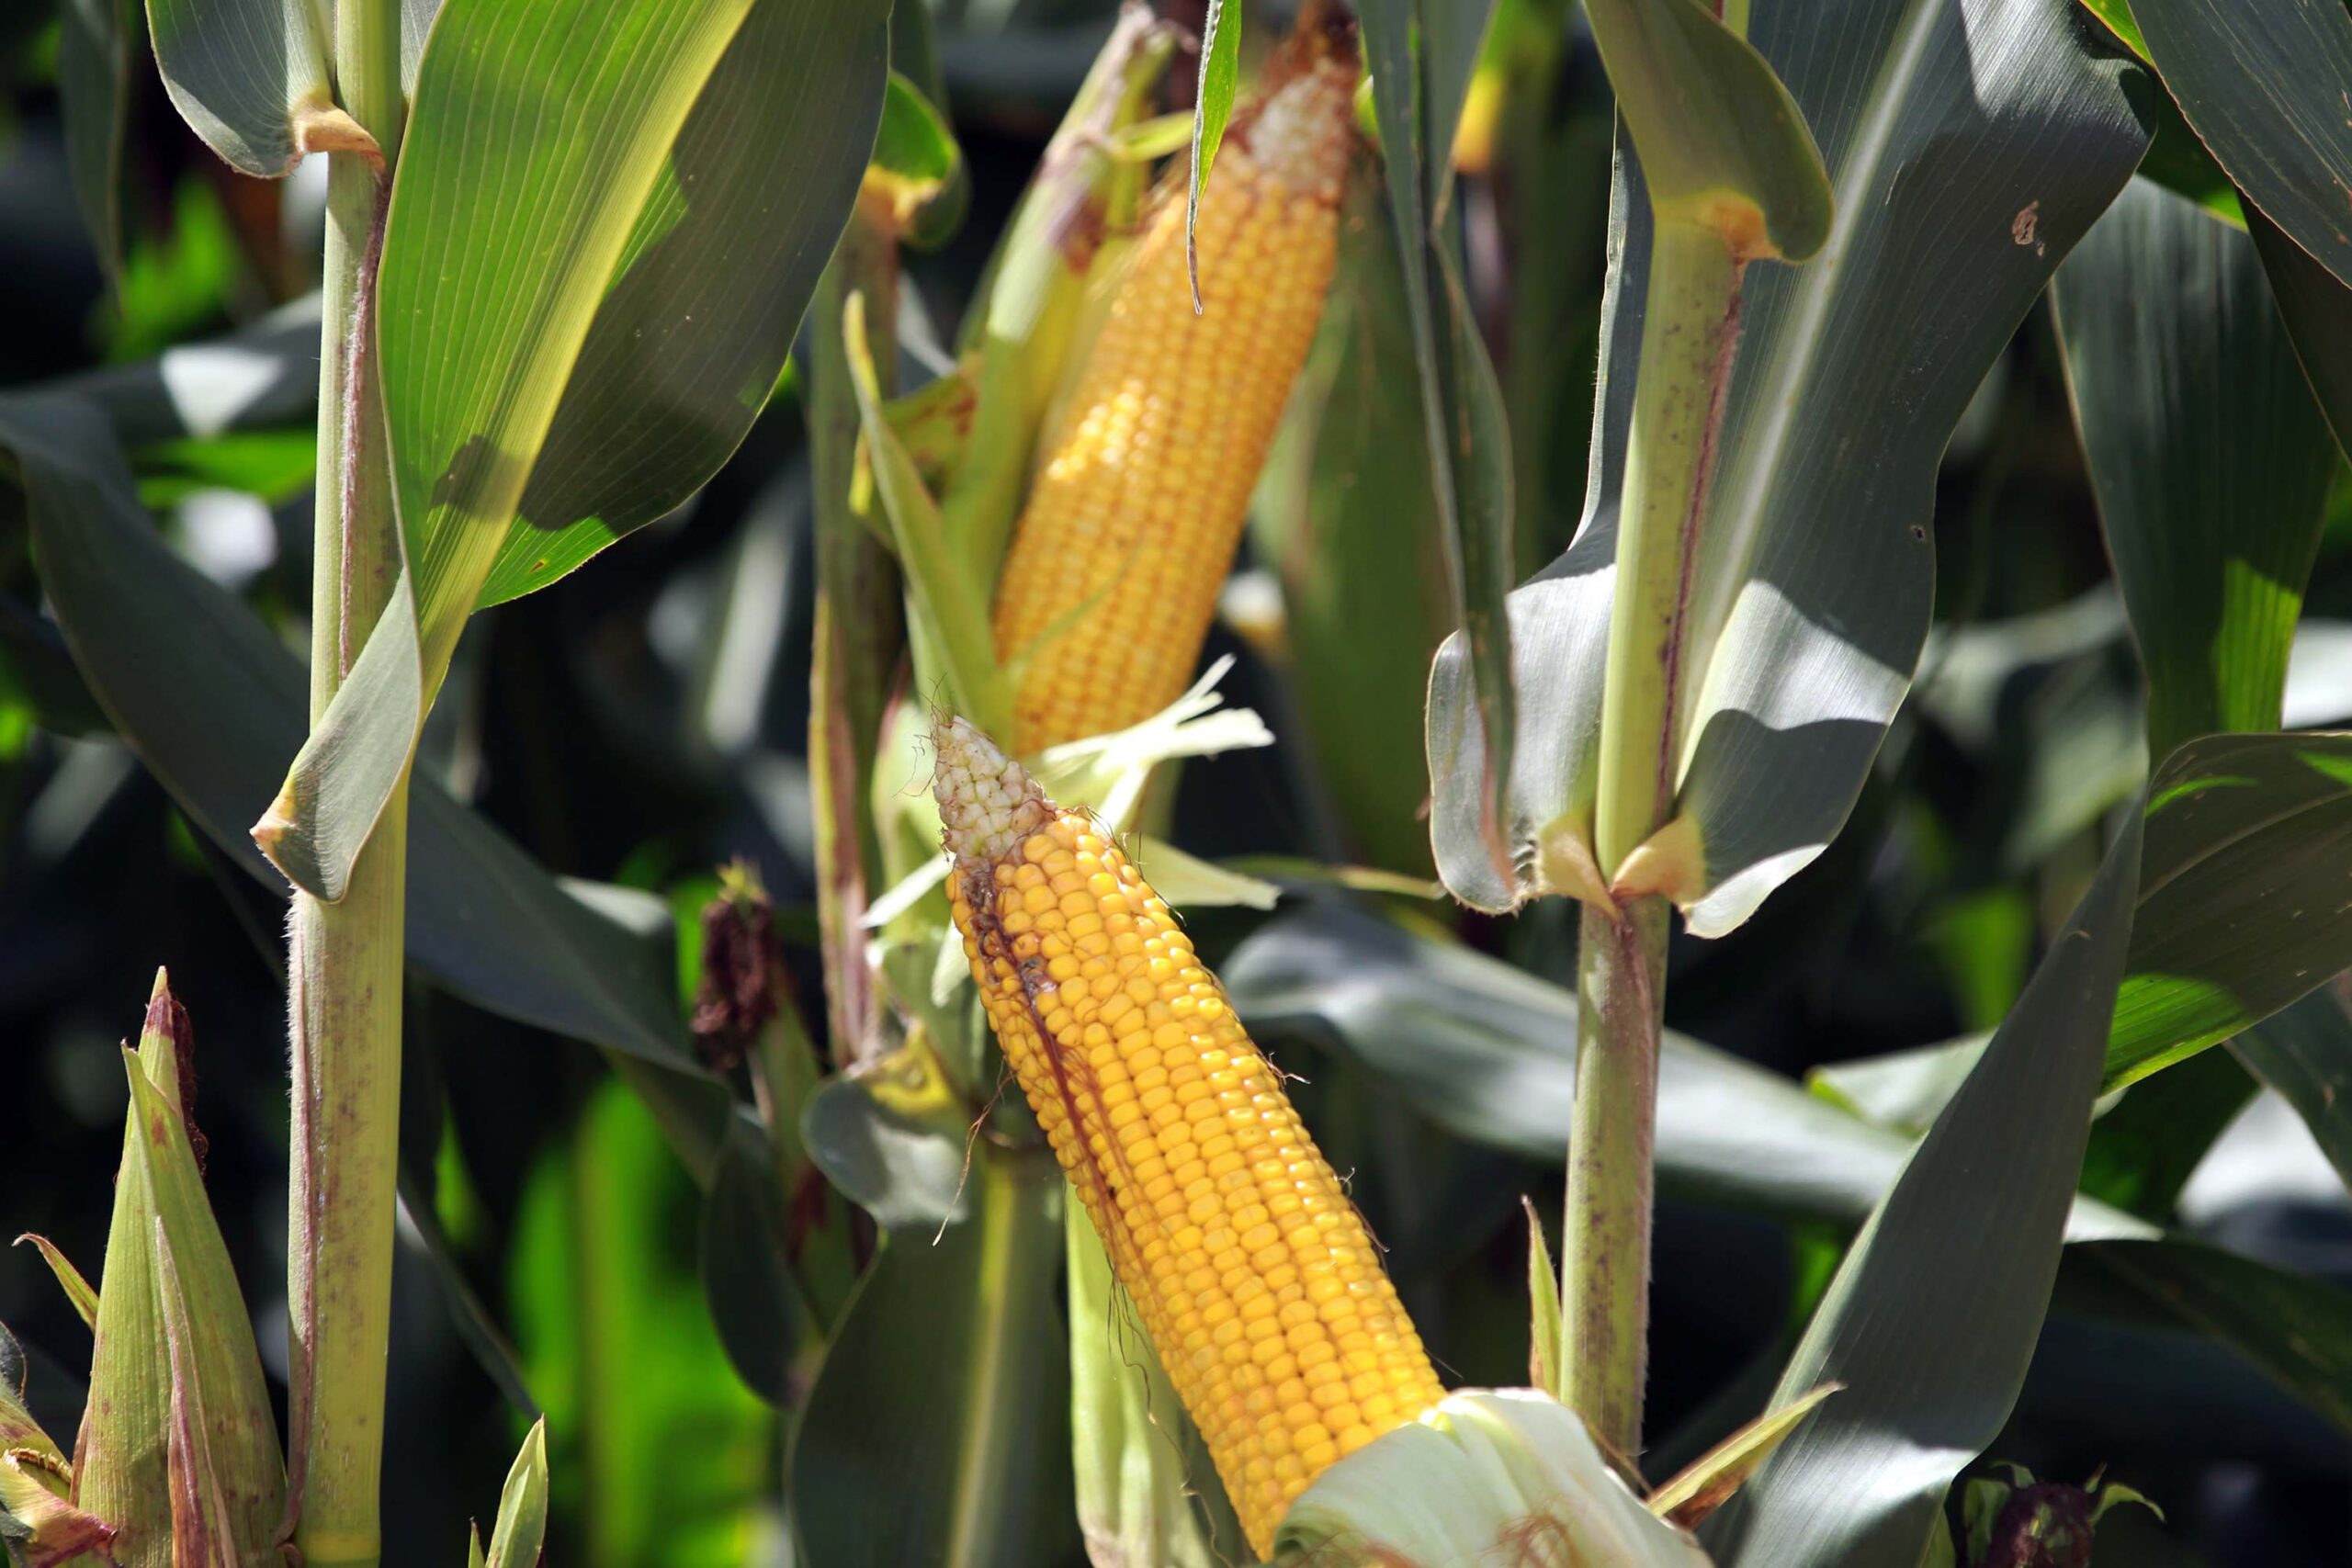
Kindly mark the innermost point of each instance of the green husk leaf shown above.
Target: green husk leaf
(1212, 106)
(1709, 1480)
(517, 1538)
(1487, 1472)
(78, 1290)
(1545, 1368)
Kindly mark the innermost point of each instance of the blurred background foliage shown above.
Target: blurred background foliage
(644, 725)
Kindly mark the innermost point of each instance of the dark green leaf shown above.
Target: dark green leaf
(2210, 461)
(916, 155)
(937, 1432)
(2297, 1331)
(208, 696)
(894, 1140)
(250, 76)
(1932, 1318)
(2305, 1052)
(1421, 53)
(94, 41)
(2263, 81)
(1958, 192)
(746, 1271)
(1212, 106)
(1488, 1053)
(2318, 313)
(2249, 844)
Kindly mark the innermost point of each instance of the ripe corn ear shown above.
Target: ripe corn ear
(1251, 1271)
(1107, 591)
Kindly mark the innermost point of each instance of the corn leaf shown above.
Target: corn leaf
(250, 77)
(756, 1304)
(94, 42)
(1933, 1316)
(1148, 1495)
(1546, 1365)
(570, 353)
(2318, 313)
(1957, 193)
(1703, 1485)
(207, 694)
(78, 1290)
(892, 1137)
(1421, 53)
(2261, 80)
(2239, 828)
(917, 165)
(1488, 1053)
(2210, 461)
(1722, 143)
(1348, 557)
(2305, 1052)
(521, 1528)
(937, 1432)
(1212, 108)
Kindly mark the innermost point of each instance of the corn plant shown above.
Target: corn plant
(1092, 959)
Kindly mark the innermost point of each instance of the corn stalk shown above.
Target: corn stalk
(345, 959)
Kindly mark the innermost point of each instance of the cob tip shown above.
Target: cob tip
(988, 802)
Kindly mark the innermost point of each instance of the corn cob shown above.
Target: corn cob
(1133, 516)
(1251, 1271)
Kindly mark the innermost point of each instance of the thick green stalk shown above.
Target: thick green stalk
(1688, 327)
(345, 959)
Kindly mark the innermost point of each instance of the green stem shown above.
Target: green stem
(346, 959)
(1689, 328)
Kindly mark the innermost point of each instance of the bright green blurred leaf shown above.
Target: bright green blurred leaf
(517, 1538)
(1220, 51)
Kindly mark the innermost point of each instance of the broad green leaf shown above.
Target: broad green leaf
(208, 696)
(1348, 557)
(164, 1261)
(574, 348)
(1220, 54)
(2295, 1330)
(1146, 1490)
(1957, 193)
(250, 77)
(2305, 1052)
(2262, 81)
(1488, 1053)
(2318, 313)
(893, 1138)
(1722, 143)
(936, 1431)
(2209, 459)
(1701, 1487)
(1465, 1484)
(94, 43)
(1933, 1316)
(517, 1538)
(1421, 52)
(756, 1304)
(2249, 842)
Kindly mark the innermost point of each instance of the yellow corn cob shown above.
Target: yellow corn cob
(1251, 1271)
(1133, 517)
